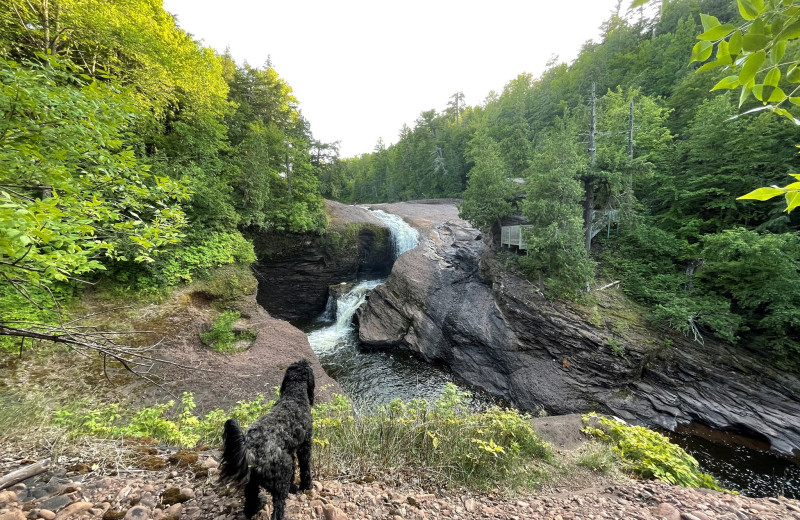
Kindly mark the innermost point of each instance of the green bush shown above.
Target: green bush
(443, 440)
(227, 282)
(222, 337)
(650, 454)
(182, 429)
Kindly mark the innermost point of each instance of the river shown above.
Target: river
(373, 378)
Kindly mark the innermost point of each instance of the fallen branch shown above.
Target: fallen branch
(607, 286)
(139, 361)
(24, 473)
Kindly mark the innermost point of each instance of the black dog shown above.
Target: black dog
(264, 457)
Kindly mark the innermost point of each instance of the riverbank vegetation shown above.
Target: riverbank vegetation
(630, 144)
(442, 442)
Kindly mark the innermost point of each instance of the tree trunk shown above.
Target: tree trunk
(588, 209)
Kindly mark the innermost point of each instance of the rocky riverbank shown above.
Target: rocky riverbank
(452, 300)
(186, 488)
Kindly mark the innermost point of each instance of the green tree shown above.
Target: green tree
(489, 189)
(555, 248)
(73, 192)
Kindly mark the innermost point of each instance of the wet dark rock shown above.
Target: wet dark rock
(294, 271)
(451, 301)
(55, 503)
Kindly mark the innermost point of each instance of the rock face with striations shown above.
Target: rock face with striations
(294, 271)
(451, 301)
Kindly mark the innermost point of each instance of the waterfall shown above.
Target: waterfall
(404, 237)
(328, 339)
(375, 377)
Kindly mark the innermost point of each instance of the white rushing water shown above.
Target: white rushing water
(374, 377)
(404, 237)
(327, 340)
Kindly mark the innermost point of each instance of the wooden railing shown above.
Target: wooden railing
(512, 236)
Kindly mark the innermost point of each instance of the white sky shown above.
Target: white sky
(362, 68)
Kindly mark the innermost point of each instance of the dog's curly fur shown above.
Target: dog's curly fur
(264, 456)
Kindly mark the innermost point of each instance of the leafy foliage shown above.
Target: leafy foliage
(72, 192)
(222, 336)
(650, 454)
(555, 245)
(489, 190)
(443, 438)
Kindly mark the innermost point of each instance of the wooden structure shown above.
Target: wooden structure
(512, 236)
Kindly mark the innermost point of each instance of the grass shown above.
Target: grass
(442, 443)
(222, 337)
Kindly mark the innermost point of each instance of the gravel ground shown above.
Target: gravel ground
(187, 488)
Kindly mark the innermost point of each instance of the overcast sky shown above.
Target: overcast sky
(362, 68)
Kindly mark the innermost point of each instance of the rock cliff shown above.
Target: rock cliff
(451, 300)
(294, 271)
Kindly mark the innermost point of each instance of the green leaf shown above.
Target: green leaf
(727, 83)
(717, 32)
(792, 200)
(751, 66)
(777, 95)
(702, 51)
(708, 21)
(715, 64)
(790, 32)
(637, 3)
(762, 194)
(747, 9)
(735, 43)
(773, 77)
(777, 52)
(794, 74)
(785, 113)
(794, 100)
(763, 92)
(754, 42)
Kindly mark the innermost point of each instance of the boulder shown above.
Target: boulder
(451, 301)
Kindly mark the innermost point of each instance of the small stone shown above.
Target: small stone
(209, 463)
(688, 516)
(137, 513)
(471, 505)
(667, 512)
(55, 503)
(189, 492)
(73, 511)
(46, 514)
(175, 510)
(12, 515)
(331, 512)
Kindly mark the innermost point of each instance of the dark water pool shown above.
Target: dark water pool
(736, 465)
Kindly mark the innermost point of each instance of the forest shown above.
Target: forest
(671, 157)
(132, 156)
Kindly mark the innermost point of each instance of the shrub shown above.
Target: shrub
(442, 440)
(650, 454)
(222, 337)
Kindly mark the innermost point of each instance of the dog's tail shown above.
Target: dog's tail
(235, 464)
